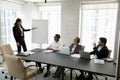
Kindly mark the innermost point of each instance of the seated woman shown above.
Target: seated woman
(74, 49)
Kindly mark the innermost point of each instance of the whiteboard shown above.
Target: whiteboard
(40, 34)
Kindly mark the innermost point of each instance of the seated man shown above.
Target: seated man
(74, 49)
(101, 51)
(55, 45)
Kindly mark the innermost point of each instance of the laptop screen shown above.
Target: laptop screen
(84, 54)
(65, 50)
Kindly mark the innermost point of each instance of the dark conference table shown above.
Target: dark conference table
(67, 61)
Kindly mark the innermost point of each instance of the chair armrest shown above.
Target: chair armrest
(30, 66)
(1, 54)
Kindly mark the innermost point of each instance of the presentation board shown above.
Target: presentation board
(40, 34)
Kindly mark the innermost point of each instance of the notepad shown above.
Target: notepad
(99, 61)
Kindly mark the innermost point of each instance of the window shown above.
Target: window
(53, 15)
(7, 20)
(98, 20)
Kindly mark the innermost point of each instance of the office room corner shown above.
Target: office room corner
(59, 39)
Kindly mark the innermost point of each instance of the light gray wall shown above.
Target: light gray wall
(8, 5)
(117, 32)
(29, 11)
(0, 28)
(69, 21)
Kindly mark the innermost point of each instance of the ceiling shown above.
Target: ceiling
(40, 0)
(37, 2)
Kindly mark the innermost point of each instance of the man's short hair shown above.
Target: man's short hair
(103, 40)
(57, 35)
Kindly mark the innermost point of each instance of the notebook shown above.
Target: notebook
(65, 50)
(84, 55)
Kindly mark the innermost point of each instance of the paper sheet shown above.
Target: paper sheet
(99, 61)
(76, 55)
(48, 51)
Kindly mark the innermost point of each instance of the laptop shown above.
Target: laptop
(65, 50)
(84, 55)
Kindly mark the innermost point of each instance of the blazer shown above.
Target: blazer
(17, 33)
(77, 48)
(103, 53)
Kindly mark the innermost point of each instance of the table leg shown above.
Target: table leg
(70, 74)
(11, 78)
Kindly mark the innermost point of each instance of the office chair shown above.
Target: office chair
(109, 53)
(5, 49)
(82, 48)
(16, 68)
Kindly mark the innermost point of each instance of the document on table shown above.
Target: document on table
(99, 61)
(75, 55)
(37, 50)
(31, 52)
(48, 51)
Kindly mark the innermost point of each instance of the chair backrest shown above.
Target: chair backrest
(6, 49)
(82, 48)
(15, 67)
(1, 57)
(109, 53)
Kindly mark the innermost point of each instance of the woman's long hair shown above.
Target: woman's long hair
(17, 20)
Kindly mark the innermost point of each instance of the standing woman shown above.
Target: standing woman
(18, 32)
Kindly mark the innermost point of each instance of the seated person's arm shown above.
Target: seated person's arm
(70, 47)
(54, 49)
(94, 49)
(49, 48)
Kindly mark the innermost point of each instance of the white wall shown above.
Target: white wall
(69, 21)
(11, 6)
(30, 11)
(117, 32)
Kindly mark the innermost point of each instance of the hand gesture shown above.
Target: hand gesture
(33, 28)
(18, 44)
(94, 44)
